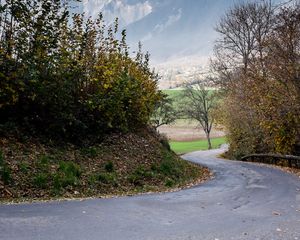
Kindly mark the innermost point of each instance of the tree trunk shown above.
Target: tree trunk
(208, 141)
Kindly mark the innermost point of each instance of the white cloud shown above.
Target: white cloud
(160, 27)
(148, 36)
(171, 19)
(117, 8)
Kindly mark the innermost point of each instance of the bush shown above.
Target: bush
(41, 180)
(169, 183)
(44, 160)
(24, 167)
(164, 142)
(169, 166)
(262, 93)
(139, 176)
(61, 76)
(61, 180)
(67, 175)
(5, 173)
(90, 152)
(69, 168)
(106, 178)
(109, 167)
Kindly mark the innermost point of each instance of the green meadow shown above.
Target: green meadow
(185, 147)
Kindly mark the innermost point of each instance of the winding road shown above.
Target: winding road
(243, 201)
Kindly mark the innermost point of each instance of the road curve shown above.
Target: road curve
(243, 201)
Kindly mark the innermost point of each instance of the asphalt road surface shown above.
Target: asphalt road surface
(243, 201)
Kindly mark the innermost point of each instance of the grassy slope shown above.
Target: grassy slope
(185, 147)
(173, 93)
(122, 164)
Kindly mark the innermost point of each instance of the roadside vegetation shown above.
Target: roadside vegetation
(122, 164)
(76, 109)
(257, 67)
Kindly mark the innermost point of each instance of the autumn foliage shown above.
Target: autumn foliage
(257, 62)
(66, 76)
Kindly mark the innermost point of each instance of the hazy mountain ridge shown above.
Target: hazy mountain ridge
(178, 34)
(181, 48)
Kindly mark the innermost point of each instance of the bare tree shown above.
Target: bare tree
(283, 47)
(197, 104)
(256, 63)
(243, 32)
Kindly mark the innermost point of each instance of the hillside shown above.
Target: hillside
(75, 109)
(122, 164)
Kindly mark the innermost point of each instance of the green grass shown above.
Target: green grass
(176, 95)
(185, 147)
(173, 93)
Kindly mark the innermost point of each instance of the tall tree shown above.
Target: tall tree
(197, 104)
(242, 34)
(257, 65)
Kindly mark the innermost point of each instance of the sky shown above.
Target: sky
(172, 31)
(168, 29)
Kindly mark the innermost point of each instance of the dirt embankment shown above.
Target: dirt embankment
(121, 164)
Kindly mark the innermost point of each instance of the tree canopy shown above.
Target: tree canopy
(257, 61)
(198, 103)
(63, 75)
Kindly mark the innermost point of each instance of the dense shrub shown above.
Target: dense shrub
(257, 64)
(67, 76)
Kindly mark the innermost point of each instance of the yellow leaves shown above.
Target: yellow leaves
(94, 80)
(84, 78)
(264, 118)
(106, 86)
(108, 73)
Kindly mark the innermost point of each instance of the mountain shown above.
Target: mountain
(178, 34)
(177, 28)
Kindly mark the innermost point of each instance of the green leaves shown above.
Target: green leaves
(165, 112)
(70, 77)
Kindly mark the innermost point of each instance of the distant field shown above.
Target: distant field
(185, 147)
(173, 93)
(176, 92)
(184, 134)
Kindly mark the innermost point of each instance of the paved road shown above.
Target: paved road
(243, 201)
